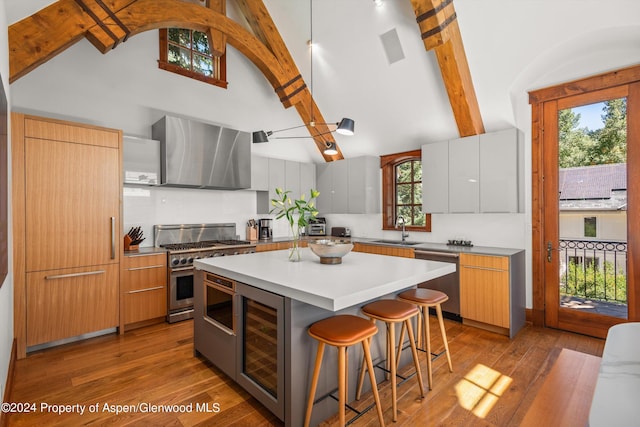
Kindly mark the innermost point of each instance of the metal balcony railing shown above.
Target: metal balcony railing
(594, 269)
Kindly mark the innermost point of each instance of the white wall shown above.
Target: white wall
(6, 292)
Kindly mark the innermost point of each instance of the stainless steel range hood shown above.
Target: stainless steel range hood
(201, 155)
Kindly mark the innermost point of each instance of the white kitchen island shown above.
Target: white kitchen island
(312, 291)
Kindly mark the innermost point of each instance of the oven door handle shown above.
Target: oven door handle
(173, 270)
(219, 326)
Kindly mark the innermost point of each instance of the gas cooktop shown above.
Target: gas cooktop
(205, 244)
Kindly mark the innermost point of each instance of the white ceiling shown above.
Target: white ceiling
(512, 46)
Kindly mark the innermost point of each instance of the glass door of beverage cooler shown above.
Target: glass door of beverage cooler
(261, 346)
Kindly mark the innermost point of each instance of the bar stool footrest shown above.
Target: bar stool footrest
(358, 413)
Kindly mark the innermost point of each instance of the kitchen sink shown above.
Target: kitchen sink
(396, 242)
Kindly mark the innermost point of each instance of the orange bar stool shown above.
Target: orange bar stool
(424, 299)
(392, 312)
(342, 331)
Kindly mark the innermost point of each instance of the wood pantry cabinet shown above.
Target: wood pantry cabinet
(67, 185)
(492, 292)
(144, 288)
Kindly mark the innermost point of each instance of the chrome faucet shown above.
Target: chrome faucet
(400, 221)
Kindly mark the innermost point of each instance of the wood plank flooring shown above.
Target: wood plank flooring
(493, 384)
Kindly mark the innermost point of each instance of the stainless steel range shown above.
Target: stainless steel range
(185, 243)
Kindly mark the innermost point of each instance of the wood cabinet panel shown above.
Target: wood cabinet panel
(70, 302)
(144, 287)
(142, 272)
(383, 250)
(71, 132)
(484, 289)
(67, 185)
(145, 304)
(72, 204)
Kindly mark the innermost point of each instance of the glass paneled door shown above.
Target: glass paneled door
(587, 211)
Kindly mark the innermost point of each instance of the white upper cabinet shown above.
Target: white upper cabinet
(464, 175)
(267, 174)
(435, 177)
(349, 186)
(292, 178)
(307, 178)
(475, 174)
(501, 172)
(259, 173)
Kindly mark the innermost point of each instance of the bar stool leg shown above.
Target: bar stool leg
(444, 335)
(391, 339)
(427, 341)
(341, 383)
(314, 383)
(414, 351)
(366, 346)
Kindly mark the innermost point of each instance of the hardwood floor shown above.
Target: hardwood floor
(493, 384)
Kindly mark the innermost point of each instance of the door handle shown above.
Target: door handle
(113, 237)
(549, 251)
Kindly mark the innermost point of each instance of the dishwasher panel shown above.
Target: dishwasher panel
(449, 284)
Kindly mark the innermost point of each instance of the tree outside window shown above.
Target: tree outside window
(409, 192)
(187, 52)
(402, 191)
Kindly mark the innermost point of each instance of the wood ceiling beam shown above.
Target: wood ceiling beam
(266, 31)
(106, 23)
(440, 32)
(217, 39)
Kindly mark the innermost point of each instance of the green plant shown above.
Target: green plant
(297, 212)
(591, 282)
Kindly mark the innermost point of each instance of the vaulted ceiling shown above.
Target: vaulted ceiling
(38, 38)
(455, 70)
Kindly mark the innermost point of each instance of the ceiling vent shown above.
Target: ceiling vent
(392, 46)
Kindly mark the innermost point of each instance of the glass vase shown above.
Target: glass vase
(294, 245)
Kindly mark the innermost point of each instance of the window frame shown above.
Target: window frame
(164, 64)
(388, 165)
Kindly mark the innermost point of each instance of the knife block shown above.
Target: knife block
(252, 233)
(127, 244)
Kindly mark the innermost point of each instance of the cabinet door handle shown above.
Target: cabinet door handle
(146, 290)
(64, 276)
(146, 267)
(483, 268)
(441, 254)
(113, 237)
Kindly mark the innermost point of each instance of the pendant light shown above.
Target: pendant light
(346, 126)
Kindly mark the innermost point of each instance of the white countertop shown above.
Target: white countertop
(615, 399)
(361, 277)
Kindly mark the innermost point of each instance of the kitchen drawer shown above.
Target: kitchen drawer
(145, 304)
(70, 302)
(144, 271)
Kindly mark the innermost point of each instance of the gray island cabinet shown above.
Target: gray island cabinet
(252, 313)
